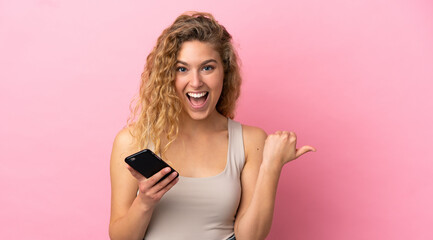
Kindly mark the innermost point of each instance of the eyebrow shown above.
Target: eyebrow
(203, 63)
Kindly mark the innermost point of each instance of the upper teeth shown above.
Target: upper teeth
(197, 95)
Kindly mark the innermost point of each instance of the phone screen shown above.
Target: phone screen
(147, 163)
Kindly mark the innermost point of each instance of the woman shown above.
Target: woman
(228, 172)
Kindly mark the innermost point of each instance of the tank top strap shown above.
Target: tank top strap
(236, 154)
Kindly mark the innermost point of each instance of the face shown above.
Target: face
(199, 79)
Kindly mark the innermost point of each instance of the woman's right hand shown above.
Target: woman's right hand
(150, 192)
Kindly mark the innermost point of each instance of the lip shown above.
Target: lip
(197, 92)
(198, 107)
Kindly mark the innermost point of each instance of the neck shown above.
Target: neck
(189, 126)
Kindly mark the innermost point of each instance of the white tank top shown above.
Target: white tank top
(202, 208)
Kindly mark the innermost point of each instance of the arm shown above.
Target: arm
(130, 214)
(265, 157)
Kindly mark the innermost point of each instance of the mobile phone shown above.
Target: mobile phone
(148, 163)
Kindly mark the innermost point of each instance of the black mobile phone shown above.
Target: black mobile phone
(148, 163)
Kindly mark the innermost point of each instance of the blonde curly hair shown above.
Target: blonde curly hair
(155, 111)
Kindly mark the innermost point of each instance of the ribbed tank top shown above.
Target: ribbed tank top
(202, 208)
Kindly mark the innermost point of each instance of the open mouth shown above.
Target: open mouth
(197, 99)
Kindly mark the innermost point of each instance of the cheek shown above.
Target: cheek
(221, 82)
(218, 80)
(178, 86)
(218, 86)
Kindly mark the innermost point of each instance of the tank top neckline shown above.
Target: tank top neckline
(227, 161)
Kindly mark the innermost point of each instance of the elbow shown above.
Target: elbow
(253, 233)
(116, 232)
(251, 236)
(112, 233)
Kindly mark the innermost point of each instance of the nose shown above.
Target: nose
(196, 80)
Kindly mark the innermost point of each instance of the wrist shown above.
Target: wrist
(272, 167)
(144, 208)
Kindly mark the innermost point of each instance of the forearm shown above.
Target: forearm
(257, 220)
(133, 225)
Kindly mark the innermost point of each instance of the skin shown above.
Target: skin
(199, 69)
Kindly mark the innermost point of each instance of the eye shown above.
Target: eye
(181, 69)
(208, 68)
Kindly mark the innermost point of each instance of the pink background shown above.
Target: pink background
(351, 78)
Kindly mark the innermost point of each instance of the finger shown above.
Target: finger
(292, 136)
(167, 187)
(285, 134)
(157, 187)
(157, 176)
(278, 132)
(136, 174)
(304, 149)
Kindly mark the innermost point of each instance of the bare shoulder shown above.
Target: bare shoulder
(123, 146)
(254, 139)
(253, 132)
(124, 143)
(123, 184)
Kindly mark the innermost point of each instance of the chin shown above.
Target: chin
(198, 115)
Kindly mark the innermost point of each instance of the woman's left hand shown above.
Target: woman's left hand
(280, 148)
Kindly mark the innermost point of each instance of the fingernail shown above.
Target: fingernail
(167, 170)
